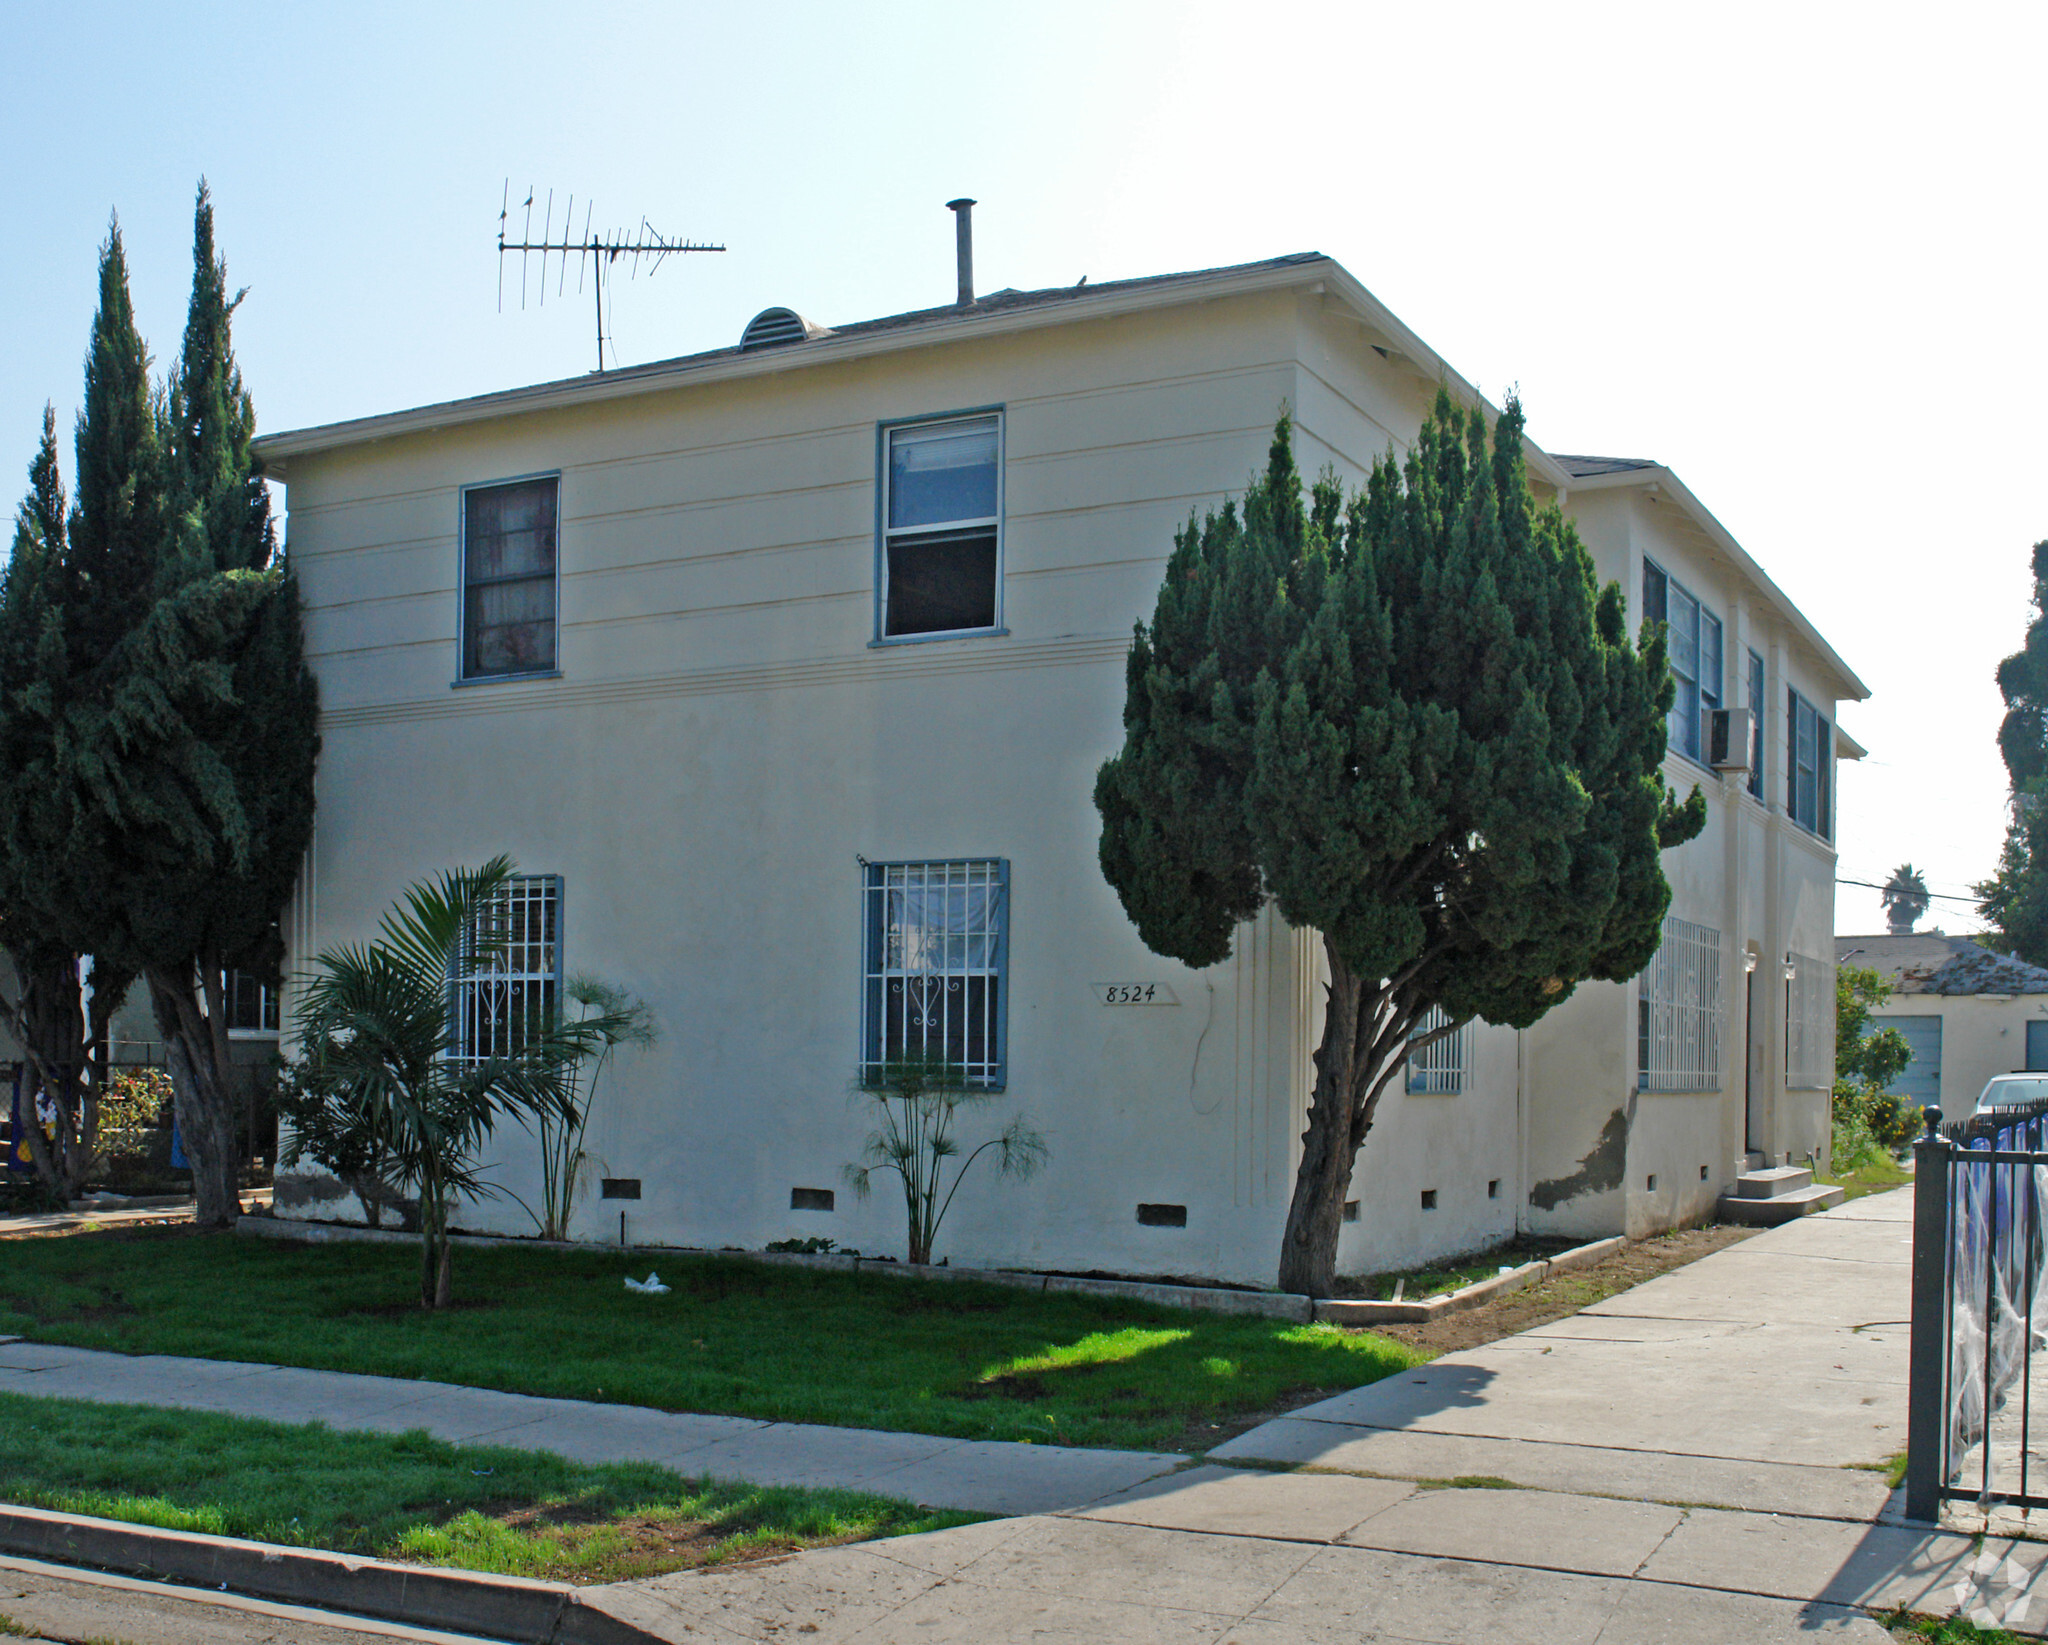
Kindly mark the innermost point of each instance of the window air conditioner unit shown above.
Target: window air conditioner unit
(1728, 735)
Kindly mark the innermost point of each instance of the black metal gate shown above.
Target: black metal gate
(1980, 1195)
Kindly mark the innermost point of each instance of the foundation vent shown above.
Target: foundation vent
(810, 1199)
(618, 1187)
(1163, 1216)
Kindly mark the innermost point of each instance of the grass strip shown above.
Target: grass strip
(735, 1338)
(413, 1497)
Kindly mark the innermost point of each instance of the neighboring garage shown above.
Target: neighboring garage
(1967, 1011)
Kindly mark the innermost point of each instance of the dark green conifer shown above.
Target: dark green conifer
(2015, 899)
(1413, 722)
(164, 797)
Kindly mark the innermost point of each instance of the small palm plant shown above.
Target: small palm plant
(619, 1019)
(920, 1097)
(381, 1069)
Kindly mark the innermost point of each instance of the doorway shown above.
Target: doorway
(1752, 1068)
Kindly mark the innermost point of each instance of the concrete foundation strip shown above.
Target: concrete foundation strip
(1216, 1299)
(517, 1609)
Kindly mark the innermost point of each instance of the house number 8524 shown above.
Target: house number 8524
(1133, 993)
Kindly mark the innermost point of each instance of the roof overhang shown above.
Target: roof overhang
(1314, 275)
(1660, 481)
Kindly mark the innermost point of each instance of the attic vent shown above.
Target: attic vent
(773, 327)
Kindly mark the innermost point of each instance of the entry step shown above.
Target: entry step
(1770, 1206)
(1774, 1182)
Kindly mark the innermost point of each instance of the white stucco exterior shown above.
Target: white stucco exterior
(725, 744)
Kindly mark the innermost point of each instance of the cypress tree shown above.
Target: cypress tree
(1413, 722)
(61, 1030)
(161, 809)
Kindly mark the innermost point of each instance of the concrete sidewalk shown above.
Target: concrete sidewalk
(1693, 1460)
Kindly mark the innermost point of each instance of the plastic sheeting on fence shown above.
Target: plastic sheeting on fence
(1997, 1208)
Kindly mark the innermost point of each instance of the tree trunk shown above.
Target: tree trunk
(49, 1023)
(1365, 1042)
(436, 1266)
(196, 1047)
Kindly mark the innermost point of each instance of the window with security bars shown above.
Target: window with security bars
(1678, 1011)
(509, 980)
(1810, 1024)
(508, 578)
(936, 947)
(1439, 1069)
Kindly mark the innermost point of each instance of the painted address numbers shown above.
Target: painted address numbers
(1132, 993)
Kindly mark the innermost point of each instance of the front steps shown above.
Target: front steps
(1769, 1195)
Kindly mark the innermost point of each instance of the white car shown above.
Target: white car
(2013, 1091)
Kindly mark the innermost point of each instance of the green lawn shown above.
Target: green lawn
(734, 1337)
(1875, 1176)
(411, 1497)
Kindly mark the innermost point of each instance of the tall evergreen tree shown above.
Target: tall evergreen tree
(61, 1029)
(1414, 723)
(2015, 899)
(165, 802)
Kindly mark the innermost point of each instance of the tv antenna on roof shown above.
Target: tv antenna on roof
(596, 255)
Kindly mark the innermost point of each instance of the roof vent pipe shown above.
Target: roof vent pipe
(963, 236)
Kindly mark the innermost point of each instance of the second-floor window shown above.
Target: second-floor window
(508, 579)
(1756, 725)
(1810, 772)
(1695, 649)
(941, 550)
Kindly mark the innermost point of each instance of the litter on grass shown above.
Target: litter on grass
(651, 1286)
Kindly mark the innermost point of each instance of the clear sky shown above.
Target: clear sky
(1795, 251)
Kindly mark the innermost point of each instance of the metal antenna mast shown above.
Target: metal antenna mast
(595, 254)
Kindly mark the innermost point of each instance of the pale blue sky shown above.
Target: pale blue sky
(1794, 251)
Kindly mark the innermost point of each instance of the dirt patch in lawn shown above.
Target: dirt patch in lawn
(1565, 1295)
(1519, 1311)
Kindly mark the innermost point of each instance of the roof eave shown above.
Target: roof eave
(275, 451)
(1718, 534)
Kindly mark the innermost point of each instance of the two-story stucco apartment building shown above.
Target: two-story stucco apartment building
(785, 670)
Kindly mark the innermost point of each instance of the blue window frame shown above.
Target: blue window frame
(1809, 786)
(1693, 640)
(939, 557)
(936, 952)
(510, 578)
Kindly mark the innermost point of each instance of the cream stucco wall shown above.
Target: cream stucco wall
(724, 745)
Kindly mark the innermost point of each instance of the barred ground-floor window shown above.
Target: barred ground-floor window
(936, 949)
(1438, 1069)
(1809, 1023)
(1679, 1011)
(509, 980)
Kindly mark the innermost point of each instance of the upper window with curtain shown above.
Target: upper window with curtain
(1694, 645)
(508, 578)
(941, 549)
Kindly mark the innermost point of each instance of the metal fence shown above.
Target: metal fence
(1980, 1202)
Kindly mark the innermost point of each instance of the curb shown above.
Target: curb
(1348, 1312)
(1299, 1310)
(519, 1609)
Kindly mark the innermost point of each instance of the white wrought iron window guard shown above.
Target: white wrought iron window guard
(936, 945)
(496, 996)
(1679, 1011)
(1810, 1024)
(1438, 1069)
